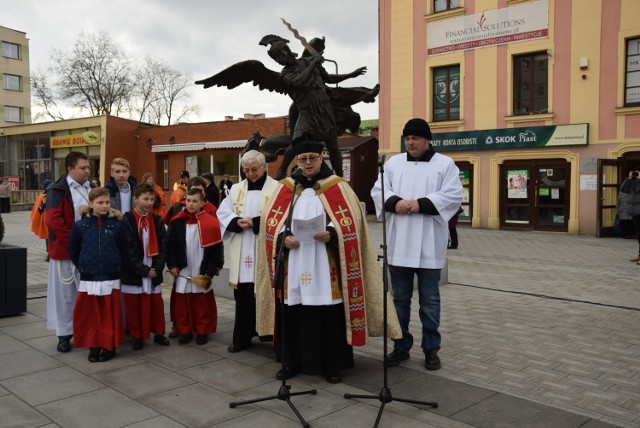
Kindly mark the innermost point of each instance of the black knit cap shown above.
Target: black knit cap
(184, 174)
(306, 144)
(418, 127)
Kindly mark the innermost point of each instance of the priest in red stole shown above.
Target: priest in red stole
(333, 285)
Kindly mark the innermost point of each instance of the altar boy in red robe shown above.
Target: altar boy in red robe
(194, 249)
(142, 265)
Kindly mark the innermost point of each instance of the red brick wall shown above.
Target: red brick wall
(121, 141)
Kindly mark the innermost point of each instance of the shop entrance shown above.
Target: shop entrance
(534, 194)
(611, 174)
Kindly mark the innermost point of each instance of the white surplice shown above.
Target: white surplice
(195, 253)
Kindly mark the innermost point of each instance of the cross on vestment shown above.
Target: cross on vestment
(273, 221)
(306, 278)
(248, 262)
(344, 221)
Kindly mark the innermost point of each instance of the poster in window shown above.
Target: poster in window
(517, 183)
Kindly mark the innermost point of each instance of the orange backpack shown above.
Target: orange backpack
(37, 217)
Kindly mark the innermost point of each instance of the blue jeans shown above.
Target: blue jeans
(429, 300)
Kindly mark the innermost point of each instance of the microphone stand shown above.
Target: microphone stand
(385, 393)
(284, 392)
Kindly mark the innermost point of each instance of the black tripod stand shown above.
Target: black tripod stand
(284, 392)
(385, 393)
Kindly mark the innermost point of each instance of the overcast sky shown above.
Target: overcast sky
(202, 37)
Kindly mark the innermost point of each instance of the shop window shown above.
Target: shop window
(10, 50)
(442, 5)
(632, 75)
(446, 93)
(531, 84)
(12, 114)
(12, 82)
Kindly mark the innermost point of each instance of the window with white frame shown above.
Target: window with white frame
(632, 73)
(12, 114)
(442, 5)
(531, 83)
(12, 82)
(446, 93)
(10, 50)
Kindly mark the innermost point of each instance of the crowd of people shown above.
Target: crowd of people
(299, 250)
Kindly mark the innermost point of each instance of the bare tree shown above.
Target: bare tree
(98, 77)
(95, 75)
(43, 97)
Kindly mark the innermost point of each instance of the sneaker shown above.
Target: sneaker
(394, 358)
(431, 360)
(635, 259)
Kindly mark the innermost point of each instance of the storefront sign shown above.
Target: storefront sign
(88, 138)
(493, 27)
(512, 138)
(14, 180)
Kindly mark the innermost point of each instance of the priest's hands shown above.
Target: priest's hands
(407, 206)
(290, 242)
(322, 236)
(245, 223)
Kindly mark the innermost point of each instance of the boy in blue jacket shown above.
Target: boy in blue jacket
(95, 245)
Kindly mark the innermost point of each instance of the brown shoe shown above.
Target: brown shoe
(635, 259)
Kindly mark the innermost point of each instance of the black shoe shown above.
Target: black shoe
(106, 355)
(287, 372)
(237, 348)
(64, 343)
(137, 344)
(431, 360)
(185, 338)
(202, 339)
(394, 358)
(94, 354)
(161, 340)
(333, 377)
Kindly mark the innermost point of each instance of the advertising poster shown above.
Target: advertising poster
(517, 183)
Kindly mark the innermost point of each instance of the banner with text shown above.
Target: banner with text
(512, 138)
(88, 138)
(493, 27)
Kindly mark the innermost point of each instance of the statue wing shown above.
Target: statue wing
(244, 72)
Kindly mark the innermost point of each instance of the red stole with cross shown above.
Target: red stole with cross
(208, 226)
(347, 228)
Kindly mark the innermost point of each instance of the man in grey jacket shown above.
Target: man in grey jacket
(631, 186)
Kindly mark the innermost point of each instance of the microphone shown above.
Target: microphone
(381, 157)
(297, 174)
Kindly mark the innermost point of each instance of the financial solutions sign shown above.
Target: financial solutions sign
(493, 27)
(512, 138)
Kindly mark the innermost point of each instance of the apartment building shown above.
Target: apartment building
(15, 94)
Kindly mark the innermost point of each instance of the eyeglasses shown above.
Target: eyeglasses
(305, 159)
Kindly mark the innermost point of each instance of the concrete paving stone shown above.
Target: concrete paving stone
(631, 381)
(47, 345)
(197, 406)
(102, 408)
(501, 410)
(607, 422)
(368, 375)
(587, 372)
(142, 380)
(227, 376)
(26, 318)
(157, 422)
(611, 410)
(15, 413)
(50, 385)
(28, 331)
(451, 396)
(3, 391)
(176, 357)
(259, 354)
(312, 407)
(587, 383)
(363, 416)
(263, 419)
(9, 344)
(24, 362)
(37, 307)
(77, 359)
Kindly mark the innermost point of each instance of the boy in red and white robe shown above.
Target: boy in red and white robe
(142, 265)
(194, 249)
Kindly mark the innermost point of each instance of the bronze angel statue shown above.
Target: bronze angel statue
(319, 110)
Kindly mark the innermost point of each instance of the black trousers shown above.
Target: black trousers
(5, 205)
(244, 327)
(315, 339)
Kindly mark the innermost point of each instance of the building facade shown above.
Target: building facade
(537, 101)
(15, 94)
